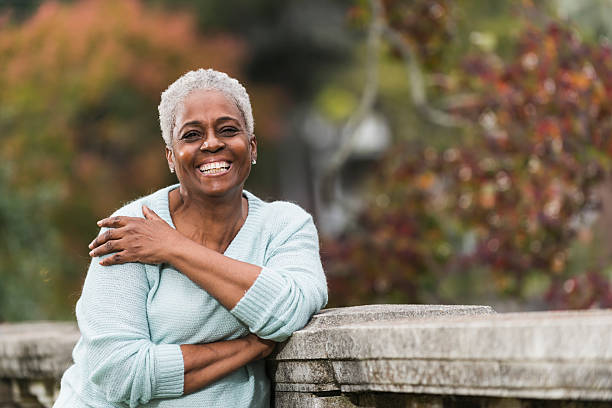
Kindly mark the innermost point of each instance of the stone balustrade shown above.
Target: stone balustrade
(385, 356)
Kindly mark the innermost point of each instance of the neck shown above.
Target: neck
(210, 221)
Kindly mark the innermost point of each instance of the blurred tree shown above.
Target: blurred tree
(80, 85)
(291, 44)
(491, 186)
(79, 88)
(501, 205)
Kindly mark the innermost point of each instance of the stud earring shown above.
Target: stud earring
(253, 161)
(171, 169)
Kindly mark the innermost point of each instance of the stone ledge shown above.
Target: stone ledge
(312, 341)
(36, 350)
(415, 355)
(548, 355)
(392, 400)
(343, 316)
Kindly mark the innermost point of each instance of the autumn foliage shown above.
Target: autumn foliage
(79, 88)
(502, 209)
(509, 204)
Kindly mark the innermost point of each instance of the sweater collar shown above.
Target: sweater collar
(160, 204)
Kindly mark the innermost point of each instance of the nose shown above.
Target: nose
(211, 142)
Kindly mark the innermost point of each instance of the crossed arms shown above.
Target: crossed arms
(128, 366)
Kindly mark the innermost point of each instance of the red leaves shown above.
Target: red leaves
(588, 290)
(509, 200)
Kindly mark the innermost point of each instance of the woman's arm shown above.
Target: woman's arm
(273, 300)
(122, 360)
(118, 354)
(151, 240)
(291, 286)
(115, 349)
(226, 279)
(206, 363)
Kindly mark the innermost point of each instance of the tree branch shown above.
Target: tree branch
(368, 97)
(370, 91)
(417, 83)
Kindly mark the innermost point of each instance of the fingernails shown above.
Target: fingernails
(99, 223)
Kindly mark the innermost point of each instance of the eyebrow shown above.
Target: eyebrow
(198, 123)
(190, 123)
(226, 118)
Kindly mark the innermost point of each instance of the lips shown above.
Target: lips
(216, 167)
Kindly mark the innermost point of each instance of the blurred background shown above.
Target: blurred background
(450, 151)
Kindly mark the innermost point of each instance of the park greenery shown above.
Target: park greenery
(495, 187)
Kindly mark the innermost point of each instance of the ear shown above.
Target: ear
(170, 157)
(253, 145)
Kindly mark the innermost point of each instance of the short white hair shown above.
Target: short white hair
(201, 79)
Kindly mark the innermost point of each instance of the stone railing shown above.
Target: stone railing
(385, 356)
(33, 357)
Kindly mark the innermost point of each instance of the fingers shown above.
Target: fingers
(149, 214)
(116, 259)
(123, 240)
(105, 248)
(114, 222)
(105, 237)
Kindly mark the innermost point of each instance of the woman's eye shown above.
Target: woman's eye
(190, 136)
(229, 131)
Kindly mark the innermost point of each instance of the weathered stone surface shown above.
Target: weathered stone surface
(385, 356)
(28, 393)
(311, 376)
(550, 355)
(312, 341)
(376, 313)
(37, 349)
(392, 400)
(307, 400)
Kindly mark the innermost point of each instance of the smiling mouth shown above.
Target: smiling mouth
(214, 168)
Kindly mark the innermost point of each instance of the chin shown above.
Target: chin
(222, 191)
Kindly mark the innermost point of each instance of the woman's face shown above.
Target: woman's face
(211, 149)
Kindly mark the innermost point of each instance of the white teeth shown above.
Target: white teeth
(215, 167)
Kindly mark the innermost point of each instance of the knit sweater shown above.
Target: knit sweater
(133, 317)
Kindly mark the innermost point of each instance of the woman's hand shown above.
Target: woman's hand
(263, 347)
(133, 239)
(206, 363)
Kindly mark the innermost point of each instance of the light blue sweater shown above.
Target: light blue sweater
(133, 317)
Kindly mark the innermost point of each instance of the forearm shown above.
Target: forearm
(226, 279)
(273, 300)
(206, 363)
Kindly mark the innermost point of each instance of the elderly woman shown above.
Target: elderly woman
(191, 286)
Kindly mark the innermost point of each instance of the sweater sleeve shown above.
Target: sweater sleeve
(120, 358)
(291, 286)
